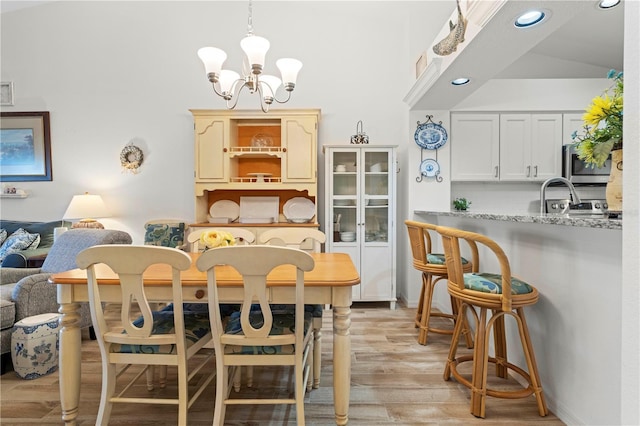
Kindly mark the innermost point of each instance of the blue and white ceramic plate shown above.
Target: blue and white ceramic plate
(429, 168)
(430, 136)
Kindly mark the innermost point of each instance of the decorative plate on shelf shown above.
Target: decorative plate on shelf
(225, 208)
(430, 135)
(299, 208)
(429, 168)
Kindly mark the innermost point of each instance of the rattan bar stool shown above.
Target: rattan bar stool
(433, 268)
(503, 295)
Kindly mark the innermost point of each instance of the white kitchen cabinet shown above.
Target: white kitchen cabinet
(530, 146)
(571, 122)
(360, 214)
(505, 147)
(475, 147)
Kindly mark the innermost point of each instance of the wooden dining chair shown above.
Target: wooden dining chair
(504, 296)
(308, 239)
(243, 236)
(261, 337)
(433, 269)
(155, 338)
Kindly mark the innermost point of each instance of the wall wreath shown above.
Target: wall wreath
(131, 158)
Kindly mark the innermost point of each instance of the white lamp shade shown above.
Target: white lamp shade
(226, 80)
(255, 48)
(289, 68)
(272, 83)
(86, 206)
(213, 58)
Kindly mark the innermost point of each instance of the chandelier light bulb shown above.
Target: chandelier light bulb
(289, 69)
(255, 47)
(213, 58)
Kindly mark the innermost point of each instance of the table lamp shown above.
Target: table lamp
(86, 207)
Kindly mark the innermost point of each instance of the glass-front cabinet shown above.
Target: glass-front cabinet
(360, 210)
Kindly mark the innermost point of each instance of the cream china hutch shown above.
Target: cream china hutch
(264, 164)
(360, 214)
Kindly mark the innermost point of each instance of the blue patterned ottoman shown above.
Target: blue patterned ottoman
(34, 346)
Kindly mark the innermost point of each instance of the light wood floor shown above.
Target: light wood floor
(394, 381)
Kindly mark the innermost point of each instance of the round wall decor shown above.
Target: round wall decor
(131, 158)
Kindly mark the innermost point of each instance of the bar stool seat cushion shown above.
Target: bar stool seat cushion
(492, 283)
(438, 259)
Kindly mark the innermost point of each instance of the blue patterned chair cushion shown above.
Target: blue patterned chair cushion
(283, 323)
(314, 310)
(492, 283)
(164, 234)
(19, 240)
(196, 326)
(3, 235)
(438, 259)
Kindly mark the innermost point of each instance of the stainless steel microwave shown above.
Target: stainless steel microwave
(577, 171)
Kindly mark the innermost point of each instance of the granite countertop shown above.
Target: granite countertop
(549, 219)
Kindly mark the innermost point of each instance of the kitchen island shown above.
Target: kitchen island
(576, 264)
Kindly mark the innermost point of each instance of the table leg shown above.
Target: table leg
(341, 361)
(69, 361)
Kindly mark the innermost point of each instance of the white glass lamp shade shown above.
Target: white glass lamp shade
(227, 78)
(86, 207)
(255, 48)
(289, 68)
(272, 83)
(213, 58)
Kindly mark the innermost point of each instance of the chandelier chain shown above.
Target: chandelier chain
(250, 20)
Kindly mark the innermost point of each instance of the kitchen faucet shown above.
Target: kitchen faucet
(575, 199)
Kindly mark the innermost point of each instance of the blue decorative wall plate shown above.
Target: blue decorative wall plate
(429, 168)
(430, 135)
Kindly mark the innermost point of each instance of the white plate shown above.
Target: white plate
(225, 208)
(299, 208)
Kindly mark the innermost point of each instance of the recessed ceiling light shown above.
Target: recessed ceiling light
(460, 81)
(530, 18)
(607, 4)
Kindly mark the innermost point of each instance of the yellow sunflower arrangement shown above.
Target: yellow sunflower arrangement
(216, 238)
(602, 124)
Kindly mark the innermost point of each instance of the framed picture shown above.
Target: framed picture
(25, 146)
(421, 64)
(6, 93)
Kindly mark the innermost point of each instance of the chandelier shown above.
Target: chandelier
(228, 84)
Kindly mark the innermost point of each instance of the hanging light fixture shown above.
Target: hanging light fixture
(228, 84)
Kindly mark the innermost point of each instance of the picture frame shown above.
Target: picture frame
(421, 64)
(6, 93)
(25, 146)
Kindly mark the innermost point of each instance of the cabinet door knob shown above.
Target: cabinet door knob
(199, 294)
(284, 149)
(496, 172)
(224, 150)
(535, 171)
(528, 171)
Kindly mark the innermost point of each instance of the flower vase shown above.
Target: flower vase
(614, 185)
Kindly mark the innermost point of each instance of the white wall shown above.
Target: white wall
(110, 72)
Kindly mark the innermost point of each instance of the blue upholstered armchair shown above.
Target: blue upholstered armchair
(26, 292)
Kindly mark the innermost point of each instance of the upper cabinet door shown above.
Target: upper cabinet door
(299, 140)
(211, 151)
(546, 146)
(475, 147)
(515, 147)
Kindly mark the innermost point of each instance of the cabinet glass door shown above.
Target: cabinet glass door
(345, 196)
(376, 196)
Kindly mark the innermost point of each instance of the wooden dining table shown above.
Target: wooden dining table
(330, 282)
